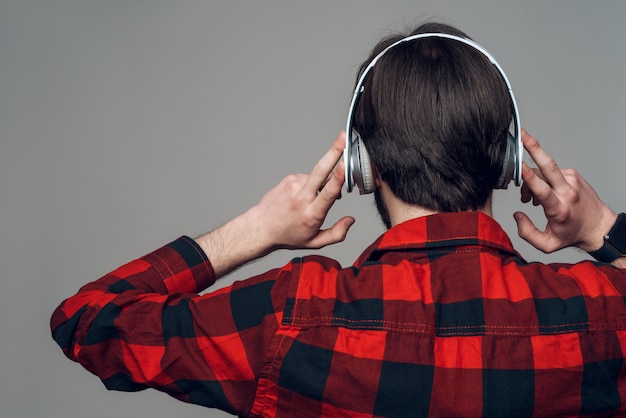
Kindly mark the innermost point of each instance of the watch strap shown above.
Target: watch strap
(614, 242)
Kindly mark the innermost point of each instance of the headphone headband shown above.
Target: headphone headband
(514, 172)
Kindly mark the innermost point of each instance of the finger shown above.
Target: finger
(330, 192)
(546, 164)
(541, 192)
(324, 167)
(527, 231)
(336, 233)
(525, 227)
(330, 176)
(525, 193)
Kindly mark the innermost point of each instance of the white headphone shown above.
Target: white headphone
(356, 159)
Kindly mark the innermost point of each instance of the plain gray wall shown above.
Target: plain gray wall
(126, 123)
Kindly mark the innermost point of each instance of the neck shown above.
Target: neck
(400, 211)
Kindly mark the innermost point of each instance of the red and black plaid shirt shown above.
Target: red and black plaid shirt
(439, 317)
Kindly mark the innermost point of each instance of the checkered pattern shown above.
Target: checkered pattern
(439, 317)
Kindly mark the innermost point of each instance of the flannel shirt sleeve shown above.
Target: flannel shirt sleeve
(145, 326)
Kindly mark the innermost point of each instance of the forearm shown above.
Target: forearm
(235, 243)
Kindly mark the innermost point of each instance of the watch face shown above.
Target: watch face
(617, 234)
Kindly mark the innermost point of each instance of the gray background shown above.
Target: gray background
(126, 123)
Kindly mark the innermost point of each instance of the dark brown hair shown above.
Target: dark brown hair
(434, 117)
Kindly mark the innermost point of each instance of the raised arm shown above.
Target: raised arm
(575, 214)
(289, 216)
(132, 325)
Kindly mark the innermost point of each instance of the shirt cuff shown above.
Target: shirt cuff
(182, 266)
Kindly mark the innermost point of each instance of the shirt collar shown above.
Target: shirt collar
(442, 230)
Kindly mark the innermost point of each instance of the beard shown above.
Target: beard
(383, 212)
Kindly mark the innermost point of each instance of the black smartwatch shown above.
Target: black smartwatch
(614, 242)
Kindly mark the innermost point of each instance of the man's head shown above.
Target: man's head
(434, 116)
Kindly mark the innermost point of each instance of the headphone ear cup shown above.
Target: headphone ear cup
(362, 170)
(509, 166)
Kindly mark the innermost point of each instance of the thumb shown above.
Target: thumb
(344, 225)
(526, 229)
(334, 234)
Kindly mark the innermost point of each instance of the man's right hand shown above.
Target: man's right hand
(575, 214)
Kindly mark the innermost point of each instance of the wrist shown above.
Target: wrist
(614, 242)
(235, 243)
(594, 239)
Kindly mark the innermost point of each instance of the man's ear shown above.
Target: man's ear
(378, 181)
